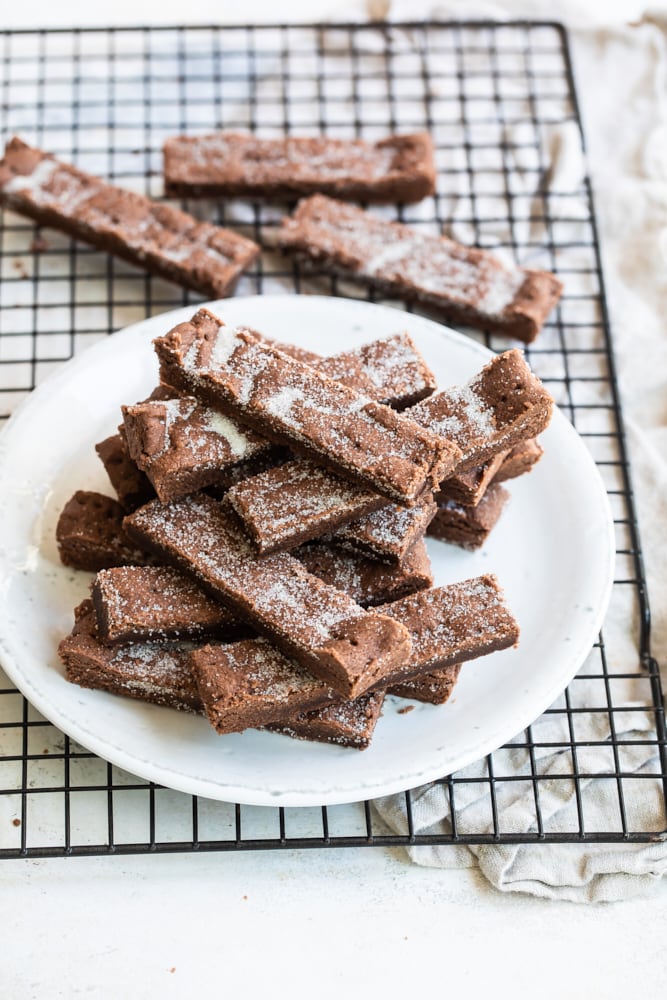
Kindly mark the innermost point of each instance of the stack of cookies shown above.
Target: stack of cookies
(265, 561)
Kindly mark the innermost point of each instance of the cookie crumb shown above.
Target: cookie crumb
(405, 709)
(16, 822)
(39, 244)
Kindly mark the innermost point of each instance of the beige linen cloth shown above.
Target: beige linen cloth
(621, 76)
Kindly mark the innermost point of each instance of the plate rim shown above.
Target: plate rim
(224, 791)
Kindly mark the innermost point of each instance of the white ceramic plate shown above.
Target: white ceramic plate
(552, 550)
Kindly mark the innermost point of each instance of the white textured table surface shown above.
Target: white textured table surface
(317, 923)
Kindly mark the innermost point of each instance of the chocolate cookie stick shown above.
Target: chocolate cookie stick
(153, 603)
(319, 626)
(90, 535)
(389, 370)
(434, 688)
(155, 672)
(519, 460)
(399, 168)
(291, 403)
(345, 724)
(284, 507)
(469, 487)
(248, 684)
(501, 406)
(368, 581)
(450, 625)
(467, 285)
(388, 533)
(469, 527)
(152, 235)
(132, 486)
(183, 446)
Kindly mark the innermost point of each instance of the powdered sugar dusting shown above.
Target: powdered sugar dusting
(189, 252)
(173, 410)
(399, 360)
(220, 158)
(391, 253)
(389, 370)
(309, 612)
(51, 185)
(191, 357)
(281, 404)
(469, 416)
(390, 531)
(33, 182)
(229, 430)
(150, 671)
(297, 500)
(224, 346)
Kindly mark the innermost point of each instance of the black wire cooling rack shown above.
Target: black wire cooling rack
(500, 102)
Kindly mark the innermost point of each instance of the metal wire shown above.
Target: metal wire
(488, 93)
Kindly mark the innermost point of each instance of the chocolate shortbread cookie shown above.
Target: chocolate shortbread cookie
(90, 535)
(468, 487)
(501, 406)
(390, 532)
(132, 486)
(284, 507)
(467, 285)
(469, 527)
(368, 581)
(451, 624)
(519, 460)
(434, 688)
(150, 603)
(248, 684)
(345, 724)
(155, 672)
(150, 234)
(398, 168)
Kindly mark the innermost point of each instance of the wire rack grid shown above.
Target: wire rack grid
(497, 99)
